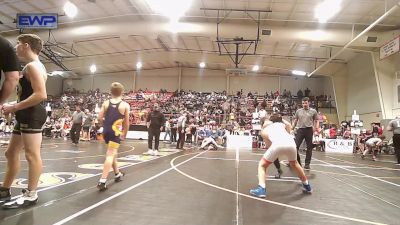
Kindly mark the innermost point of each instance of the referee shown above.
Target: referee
(394, 126)
(306, 121)
(155, 122)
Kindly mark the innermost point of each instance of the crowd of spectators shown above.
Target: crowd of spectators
(214, 111)
(210, 117)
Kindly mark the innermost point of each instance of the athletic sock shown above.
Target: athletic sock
(32, 193)
(305, 182)
(262, 185)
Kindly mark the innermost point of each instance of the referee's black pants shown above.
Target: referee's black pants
(154, 132)
(181, 139)
(173, 134)
(307, 134)
(75, 132)
(396, 145)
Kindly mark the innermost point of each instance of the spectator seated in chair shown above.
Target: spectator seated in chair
(57, 129)
(47, 128)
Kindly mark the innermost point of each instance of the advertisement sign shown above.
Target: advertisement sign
(37, 20)
(239, 141)
(390, 48)
(339, 145)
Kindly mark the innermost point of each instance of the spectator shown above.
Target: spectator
(307, 92)
(77, 119)
(87, 124)
(168, 130)
(155, 123)
(394, 126)
(299, 94)
(181, 124)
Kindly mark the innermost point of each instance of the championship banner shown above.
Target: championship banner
(339, 146)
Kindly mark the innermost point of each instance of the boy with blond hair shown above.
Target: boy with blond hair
(114, 113)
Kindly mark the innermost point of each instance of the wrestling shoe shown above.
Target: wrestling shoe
(5, 194)
(278, 176)
(102, 186)
(307, 188)
(119, 176)
(149, 152)
(28, 198)
(258, 192)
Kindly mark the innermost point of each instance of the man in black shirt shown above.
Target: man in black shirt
(155, 122)
(9, 66)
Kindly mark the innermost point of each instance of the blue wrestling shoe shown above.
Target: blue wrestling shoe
(258, 192)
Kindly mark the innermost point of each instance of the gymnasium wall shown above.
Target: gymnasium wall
(262, 83)
(362, 91)
(386, 69)
(54, 85)
(204, 81)
(157, 79)
(397, 65)
(254, 82)
(339, 79)
(83, 84)
(396, 107)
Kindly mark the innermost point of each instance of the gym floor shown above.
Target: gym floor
(207, 187)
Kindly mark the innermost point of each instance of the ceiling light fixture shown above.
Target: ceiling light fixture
(256, 68)
(173, 9)
(315, 35)
(93, 68)
(86, 30)
(179, 27)
(327, 9)
(70, 9)
(56, 73)
(299, 73)
(202, 64)
(139, 65)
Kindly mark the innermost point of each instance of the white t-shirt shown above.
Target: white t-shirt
(181, 121)
(167, 125)
(278, 134)
(255, 115)
(262, 113)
